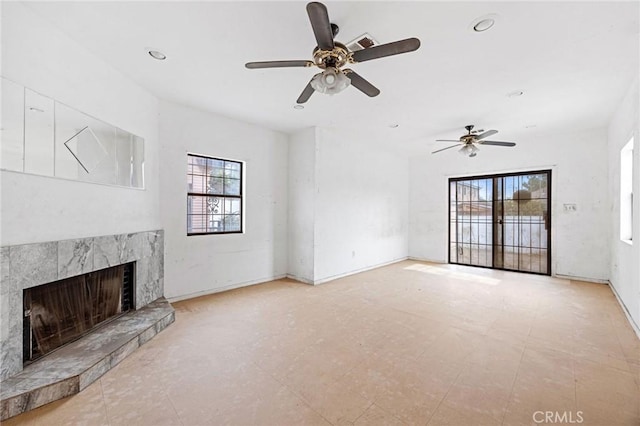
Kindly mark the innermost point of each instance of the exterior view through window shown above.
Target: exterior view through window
(214, 195)
(501, 221)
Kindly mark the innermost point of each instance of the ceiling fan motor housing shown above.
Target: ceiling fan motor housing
(334, 58)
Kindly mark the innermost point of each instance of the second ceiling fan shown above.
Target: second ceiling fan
(331, 56)
(470, 140)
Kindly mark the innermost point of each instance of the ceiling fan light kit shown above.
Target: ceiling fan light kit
(330, 56)
(469, 150)
(330, 81)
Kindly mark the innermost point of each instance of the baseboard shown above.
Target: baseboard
(357, 271)
(225, 288)
(634, 326)
(566, 277)
(299, 279)
(424, 259)
(278, 277)
(585, 279)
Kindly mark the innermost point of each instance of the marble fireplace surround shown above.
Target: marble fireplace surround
(30, 265)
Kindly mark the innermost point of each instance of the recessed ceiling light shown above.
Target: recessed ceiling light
(484, 23)
(298, 106)
(515, 93)
(155, 54)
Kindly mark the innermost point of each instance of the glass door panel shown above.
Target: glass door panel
(498, 230)
(471, 224)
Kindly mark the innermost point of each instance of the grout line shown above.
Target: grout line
(104, 402)
(445, 395)
(513, 385)
(294, 393)
(174, 407)
(363, 413)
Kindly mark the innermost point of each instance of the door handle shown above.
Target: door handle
(499, 221)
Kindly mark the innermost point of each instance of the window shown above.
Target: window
(626, 191)
(214, 195)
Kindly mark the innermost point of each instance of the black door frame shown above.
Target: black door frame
(494, 228)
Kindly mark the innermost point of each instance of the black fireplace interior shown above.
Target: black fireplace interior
(60, 312)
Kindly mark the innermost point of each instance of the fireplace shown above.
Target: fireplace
(28, 266)
(60, 312)
(68, 288)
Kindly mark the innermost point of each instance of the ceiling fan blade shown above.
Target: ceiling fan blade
(485, 134)
(278, 64)
(444, 149)
(497, 143)
(319, 18)
(306, 93)
(389, 49)
(447, 140)
(361, 84)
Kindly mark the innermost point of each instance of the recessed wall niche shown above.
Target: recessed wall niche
(45, 137)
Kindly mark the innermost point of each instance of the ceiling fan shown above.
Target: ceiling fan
(470, 140)
(330, 56)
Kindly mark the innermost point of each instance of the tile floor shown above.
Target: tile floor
(411, 343)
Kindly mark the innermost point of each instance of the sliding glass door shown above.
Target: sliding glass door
(501, 221)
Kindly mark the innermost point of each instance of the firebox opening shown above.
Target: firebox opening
(63, 311)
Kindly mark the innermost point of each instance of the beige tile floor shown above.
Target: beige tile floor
(411, 343)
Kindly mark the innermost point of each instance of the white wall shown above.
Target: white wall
(362, 202)
(208, 263)
(348, 204)
(579, 176)
(625, 258)
(302, 189)
(36, 208)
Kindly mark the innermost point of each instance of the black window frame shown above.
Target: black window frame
(240, 196)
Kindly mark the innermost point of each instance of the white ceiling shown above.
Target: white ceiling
(573, 61)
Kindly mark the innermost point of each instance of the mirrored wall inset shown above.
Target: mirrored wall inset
(45, 137)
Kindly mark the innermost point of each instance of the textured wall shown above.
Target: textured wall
(361, 205)
(625, 257)
(39, 56)
(348, 200)
(202, 264)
